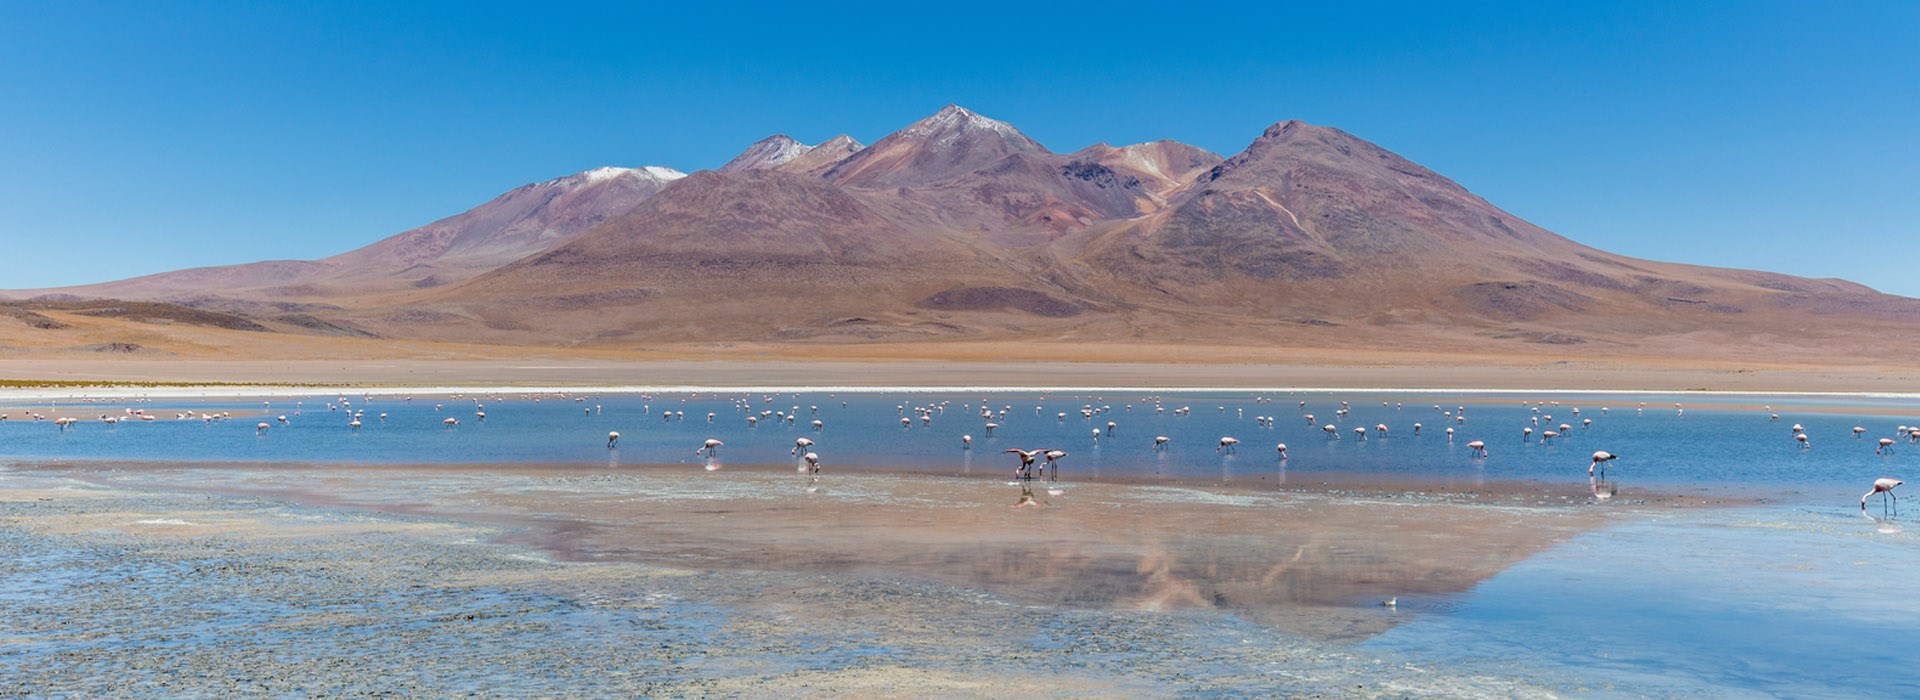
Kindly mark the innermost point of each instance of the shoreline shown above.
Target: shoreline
(936, 368)
(198, 391)
(1319, 483)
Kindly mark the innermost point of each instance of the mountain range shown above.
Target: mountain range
(961, 227)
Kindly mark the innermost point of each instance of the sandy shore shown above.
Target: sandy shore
(1360, 370)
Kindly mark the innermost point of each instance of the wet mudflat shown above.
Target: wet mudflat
(116, 592)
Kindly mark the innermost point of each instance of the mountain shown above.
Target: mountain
(766, 154)
(1311, 224)
(819, 159)
(961, 172)
(959, 226)
(526, 220)
(1161, 166)
(766, 253)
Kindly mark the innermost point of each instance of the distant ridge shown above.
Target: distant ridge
(960, 227)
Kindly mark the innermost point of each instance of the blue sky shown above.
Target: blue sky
(149, 136)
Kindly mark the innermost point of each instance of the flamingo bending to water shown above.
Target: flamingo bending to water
(1600, 460)
(1883, 486)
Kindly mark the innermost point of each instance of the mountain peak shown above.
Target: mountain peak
(951, 142)
(823, 157)
(954, 122)
(766, 154)
(1287, 128)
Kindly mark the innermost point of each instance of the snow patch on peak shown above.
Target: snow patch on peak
(604, 174)
(663, 174)
(767, 153)
(652, 172)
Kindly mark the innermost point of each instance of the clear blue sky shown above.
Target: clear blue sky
(146, 136)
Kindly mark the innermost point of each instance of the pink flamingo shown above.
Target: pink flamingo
(1600, 460)
(1026, 461)
(1884, 486)
(1885, 444)
(1227, 443)
(1282, 447)
(1051, 467)
(613, 438)
(1479, 448)
(710, 448)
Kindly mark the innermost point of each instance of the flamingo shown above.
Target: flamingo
(613, 439)
(813, 462)
(261, 429)
(1283, 450)
(450, 422)
(1333, 432)
(1479, 448)
(1802, 437)
(1051, 468)
(710, 448)
(800, 444)
(966, 442)
(1160, 441)
(1884, 486)
(1227, 443)
(1600, 460)
(1885, 444)
(1026, 461)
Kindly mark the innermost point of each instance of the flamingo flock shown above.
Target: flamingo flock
(1101, 427)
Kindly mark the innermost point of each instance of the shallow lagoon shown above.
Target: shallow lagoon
(1714, 440)
(1800, 595)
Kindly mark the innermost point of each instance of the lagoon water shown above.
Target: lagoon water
(1709, 440)
(1799, 595)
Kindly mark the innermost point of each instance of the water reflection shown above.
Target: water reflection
(1603, 490)
(1026, 495)
(1884, 525)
